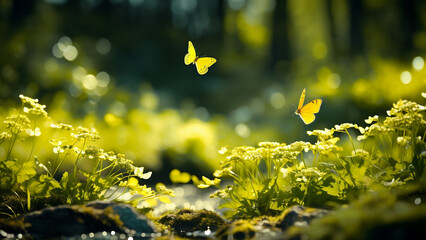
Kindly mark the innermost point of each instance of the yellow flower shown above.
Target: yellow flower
(84, 133)
(61, 126)
(322, 134)
(269, 144)
(207, 183)
(360, 153)
(5, 135)
(177, 176)
(33, 133)
(139, 172)
(223, 150)
(57, 141)
(164, 190)
(36, 108)
(370, 119)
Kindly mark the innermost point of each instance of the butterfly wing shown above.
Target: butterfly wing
(302, 99)
(307, 112)
(191, 55)
(203, 64)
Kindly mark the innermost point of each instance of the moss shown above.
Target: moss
(91, 218)
(186, 220)
(14, 203)
(239, 229)
(299, 215)
(13, 225)
(106, 217)
(374, 215)
(11, 204)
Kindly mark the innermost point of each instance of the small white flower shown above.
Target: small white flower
(58, 150)
(34, 133)
(139, 172)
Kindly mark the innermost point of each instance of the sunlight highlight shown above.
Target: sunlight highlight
(90, 82)
(418, 63)
(64, 49)
(242, 130)
(405, 77)
(70, 53)
(103, 46)
(333, 80)
(277, 100)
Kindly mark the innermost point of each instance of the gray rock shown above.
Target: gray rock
(299, 216)
(128, 215)
(74, 220)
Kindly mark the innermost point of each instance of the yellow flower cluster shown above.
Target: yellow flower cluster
(36, 108)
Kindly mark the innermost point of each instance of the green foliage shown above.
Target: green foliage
(96, 174)
(273, 176)
(374, 215)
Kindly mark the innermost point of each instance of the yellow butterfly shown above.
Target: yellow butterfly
(306, 113)
(202, 63)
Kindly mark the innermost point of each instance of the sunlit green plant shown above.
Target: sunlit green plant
(273, 176)
(95, 174)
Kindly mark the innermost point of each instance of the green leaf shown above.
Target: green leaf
(41, 186)
(70, 188)
(22, 169)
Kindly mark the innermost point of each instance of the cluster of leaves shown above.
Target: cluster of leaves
(95, 174)
(273, 176)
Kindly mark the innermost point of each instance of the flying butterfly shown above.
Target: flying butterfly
(306, 113)
(202, 63)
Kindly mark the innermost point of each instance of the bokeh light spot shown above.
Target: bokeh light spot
(103, 46)
(417, 201)
(405, 77)
(103, 79)
(100, 91)
(418, 63)
(319, 50)
(201, 113)
(242, 114)
(112, 120)
(333, 80)
(277, 100)
(118, 108)
(149, 101)
(236, 4)
(56, 51)
(89, 82)
(64, 42)
(70, 53)
(242, 130)
(78, 73)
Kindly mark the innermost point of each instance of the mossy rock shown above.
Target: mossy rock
(263, 227)
(73, 220)
(299, 216)
(188, 221)
(17, 200)
(374, 215)
(238, 229)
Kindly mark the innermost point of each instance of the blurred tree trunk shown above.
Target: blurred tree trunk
(280, 50)
(356, 16)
